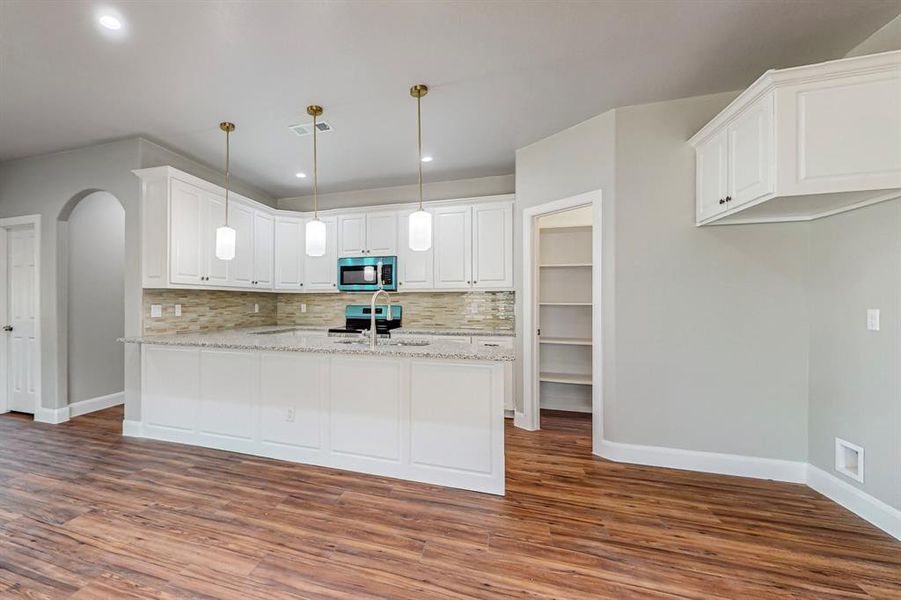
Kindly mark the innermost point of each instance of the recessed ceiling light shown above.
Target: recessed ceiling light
(110, 22)
(426, 159)
(300, 175)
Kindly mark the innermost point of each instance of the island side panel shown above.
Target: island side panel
(435, 421)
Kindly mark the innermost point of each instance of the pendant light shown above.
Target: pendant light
(315, 228)
(225, 235)
(420, 225)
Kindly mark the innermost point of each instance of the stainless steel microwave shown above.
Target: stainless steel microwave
(367, 273)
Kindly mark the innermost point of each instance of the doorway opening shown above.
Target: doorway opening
(20, 346)
(562, 312)
(92, 232)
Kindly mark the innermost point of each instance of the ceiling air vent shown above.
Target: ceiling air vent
(304, 129)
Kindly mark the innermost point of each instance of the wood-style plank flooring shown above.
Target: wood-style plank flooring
(85, 513)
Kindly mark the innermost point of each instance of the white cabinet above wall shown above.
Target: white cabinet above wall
(803, 143)
(472, 241)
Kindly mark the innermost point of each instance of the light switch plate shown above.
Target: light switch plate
(156, 311)
(873, 319)
(178, 310)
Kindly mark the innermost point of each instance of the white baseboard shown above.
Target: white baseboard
(880, 514)
(519, 420)
(706, 462)
(54, 416)
(83, 407)
(132, 428)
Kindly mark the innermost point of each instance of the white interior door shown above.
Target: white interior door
(21, 306)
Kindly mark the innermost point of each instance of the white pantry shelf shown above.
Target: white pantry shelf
(565, 303)
(574, 378)
(565, 265)
(565, 341)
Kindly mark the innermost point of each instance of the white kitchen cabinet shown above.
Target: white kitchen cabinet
(506, 343)
(417, 268)
(452, 242)
(711, 177)
(241, 219)
(492, 245)
(352, 234)
(321, 272)
(289, 253)
(804, 143)
(381, 233)
(263, 248)
(367, 234)
(215, 271)
(187, 233)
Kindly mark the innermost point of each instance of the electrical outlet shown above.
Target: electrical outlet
(256, 308)
(873, 319)
(156, 311)
(178, 310)
(303, 307)
(289, 416)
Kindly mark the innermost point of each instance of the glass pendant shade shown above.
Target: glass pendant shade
(420, 228)
(315, 238)
(225, 243)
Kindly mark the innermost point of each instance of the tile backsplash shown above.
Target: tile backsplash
(456, 310)
(203, 310)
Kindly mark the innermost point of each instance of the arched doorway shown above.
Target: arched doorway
(92, 242)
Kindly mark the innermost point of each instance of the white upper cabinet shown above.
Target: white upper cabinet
(452, 242)
(352, 234)
(240, 218)
(381, 233)
(289, 253)
(492, 245)
(804, 143)
(472, 241)
(367, 234)
(321, 272)
(186, 241)
(263, 248)
(416, 268)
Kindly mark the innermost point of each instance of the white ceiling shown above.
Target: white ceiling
(503, 74)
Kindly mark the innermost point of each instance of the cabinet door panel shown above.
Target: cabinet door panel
(289, 249)
(417, 269)
(186, 244)
(452, 241)
(214, 217)
(351, 234)
(321, 272)
(751, 153)
(241, 218)
(711, 177)
(262, 249)
(492, 245)
(381, 234)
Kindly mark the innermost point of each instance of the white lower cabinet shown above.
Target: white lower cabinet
(428, 420)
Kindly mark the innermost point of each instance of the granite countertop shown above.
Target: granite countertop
(300, 339)
(422, 331)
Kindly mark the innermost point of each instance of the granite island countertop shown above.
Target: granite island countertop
(307, 339)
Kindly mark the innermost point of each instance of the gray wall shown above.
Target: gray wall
(96, 298)
(885, 39)
(51, 185)
(576, 160)
(705, 330)
(439, 190)
(855, 374)
(711, 323)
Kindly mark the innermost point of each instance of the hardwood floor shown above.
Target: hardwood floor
(85, 513)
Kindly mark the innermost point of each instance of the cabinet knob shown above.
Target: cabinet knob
(722, 201)
(728, 198)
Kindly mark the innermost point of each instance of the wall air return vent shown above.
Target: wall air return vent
(305, 129)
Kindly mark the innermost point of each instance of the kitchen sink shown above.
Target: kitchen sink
(274, 331)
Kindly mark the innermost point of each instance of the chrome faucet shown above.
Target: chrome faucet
(373, 334)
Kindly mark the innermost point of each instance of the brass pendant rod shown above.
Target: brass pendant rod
(315, 174)
(227, 128)
(419, 140)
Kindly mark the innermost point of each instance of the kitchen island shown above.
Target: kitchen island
(421, 411)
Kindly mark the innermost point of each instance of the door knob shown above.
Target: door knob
(8, 328)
